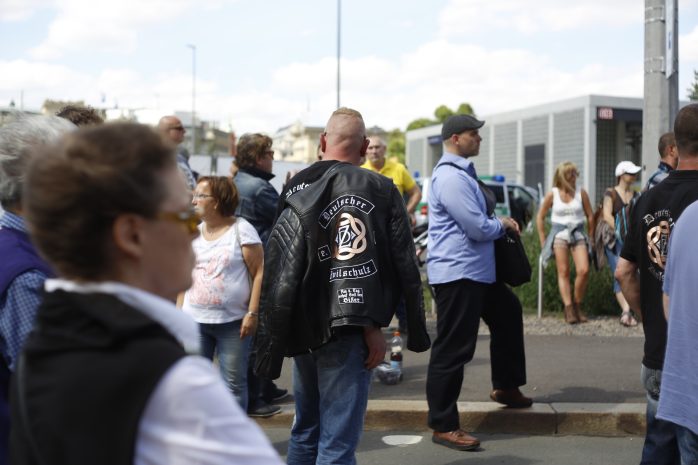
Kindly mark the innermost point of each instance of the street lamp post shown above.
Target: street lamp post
(193, 98)
(339, 30)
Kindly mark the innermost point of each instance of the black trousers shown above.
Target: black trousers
(459, 306)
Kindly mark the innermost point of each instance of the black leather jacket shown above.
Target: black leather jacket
(341, 253)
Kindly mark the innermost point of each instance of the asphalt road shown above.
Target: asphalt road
(495, 449)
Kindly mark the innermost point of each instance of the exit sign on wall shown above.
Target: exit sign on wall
(605, 113)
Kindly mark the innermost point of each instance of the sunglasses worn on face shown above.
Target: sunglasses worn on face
(189, 219)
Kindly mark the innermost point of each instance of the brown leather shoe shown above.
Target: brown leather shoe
(458, 439)
(512, 398)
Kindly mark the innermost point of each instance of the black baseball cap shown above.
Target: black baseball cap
(458, 124)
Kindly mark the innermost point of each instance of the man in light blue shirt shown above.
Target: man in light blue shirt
(461, 268)
(678, 402)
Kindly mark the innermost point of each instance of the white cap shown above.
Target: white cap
(627, 167)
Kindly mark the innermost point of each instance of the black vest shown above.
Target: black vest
(91, 365)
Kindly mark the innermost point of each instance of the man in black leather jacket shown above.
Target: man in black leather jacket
(339, 258)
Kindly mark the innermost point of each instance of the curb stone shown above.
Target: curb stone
(581, 419)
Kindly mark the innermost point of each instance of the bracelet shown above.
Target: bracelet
(255, 314)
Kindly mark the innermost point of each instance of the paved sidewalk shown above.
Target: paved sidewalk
(582, 385)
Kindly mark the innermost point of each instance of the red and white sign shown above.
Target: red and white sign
(605, 113)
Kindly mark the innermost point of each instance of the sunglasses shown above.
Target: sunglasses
(190, 219)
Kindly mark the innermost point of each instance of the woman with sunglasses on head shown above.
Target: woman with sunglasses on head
(224, 298)
(570, 206)
(110, 373)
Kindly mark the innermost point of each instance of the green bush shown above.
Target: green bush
(599, 299)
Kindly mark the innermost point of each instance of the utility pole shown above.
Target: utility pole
(661, 94)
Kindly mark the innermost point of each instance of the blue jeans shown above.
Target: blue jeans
(612, 257)
(330, 386)
(233, 354)
(688, 445)
(661, 446)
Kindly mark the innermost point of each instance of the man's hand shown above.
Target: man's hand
(375, 342)
(509, 223)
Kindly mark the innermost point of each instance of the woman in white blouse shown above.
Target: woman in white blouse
(224, 298)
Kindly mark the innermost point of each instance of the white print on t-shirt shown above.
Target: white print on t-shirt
(209, 279)
(660, 223)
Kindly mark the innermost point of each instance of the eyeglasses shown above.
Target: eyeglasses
(201, 196)
(269, 152)
(189, 219)
(177, 128)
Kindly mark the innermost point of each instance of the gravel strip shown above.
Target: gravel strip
(602, 326)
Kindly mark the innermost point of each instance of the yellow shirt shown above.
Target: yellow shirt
(395, 171)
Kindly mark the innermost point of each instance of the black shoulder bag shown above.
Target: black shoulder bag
(511, 261)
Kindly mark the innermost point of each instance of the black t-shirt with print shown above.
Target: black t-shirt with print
(651, 221)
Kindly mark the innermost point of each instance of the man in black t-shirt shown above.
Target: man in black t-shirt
(645, 250)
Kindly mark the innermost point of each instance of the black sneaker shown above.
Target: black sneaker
(263, 410)
(275, 395)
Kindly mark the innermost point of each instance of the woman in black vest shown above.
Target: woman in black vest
(106, 376)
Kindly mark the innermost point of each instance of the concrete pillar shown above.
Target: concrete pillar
(661, 93)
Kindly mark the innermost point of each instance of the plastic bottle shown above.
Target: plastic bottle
(396, 352)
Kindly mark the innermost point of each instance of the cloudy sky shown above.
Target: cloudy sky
(263, 64)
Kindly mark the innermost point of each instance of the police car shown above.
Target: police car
(514, 200)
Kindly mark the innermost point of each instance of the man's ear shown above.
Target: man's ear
(323, 142)
(364, 146)
(127, 232)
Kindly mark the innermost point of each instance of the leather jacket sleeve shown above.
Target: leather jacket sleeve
(283, 274)
(405, 262)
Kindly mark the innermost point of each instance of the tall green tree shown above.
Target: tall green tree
(465, 109)
(693, 89)
(442, 112)
(420, 123)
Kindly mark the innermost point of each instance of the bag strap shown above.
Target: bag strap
(23, 414)
(490, 197)
(242, 254)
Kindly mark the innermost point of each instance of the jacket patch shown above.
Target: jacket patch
(359, 271)
(350, 237)
(344, 201)
(350, 295)
(323, 253)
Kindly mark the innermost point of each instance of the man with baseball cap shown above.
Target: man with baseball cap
(461, 268)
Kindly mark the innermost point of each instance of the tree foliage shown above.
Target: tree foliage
(396, 145)
(441, 113)
(693, 88)
(420, 123)
(465, 109)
